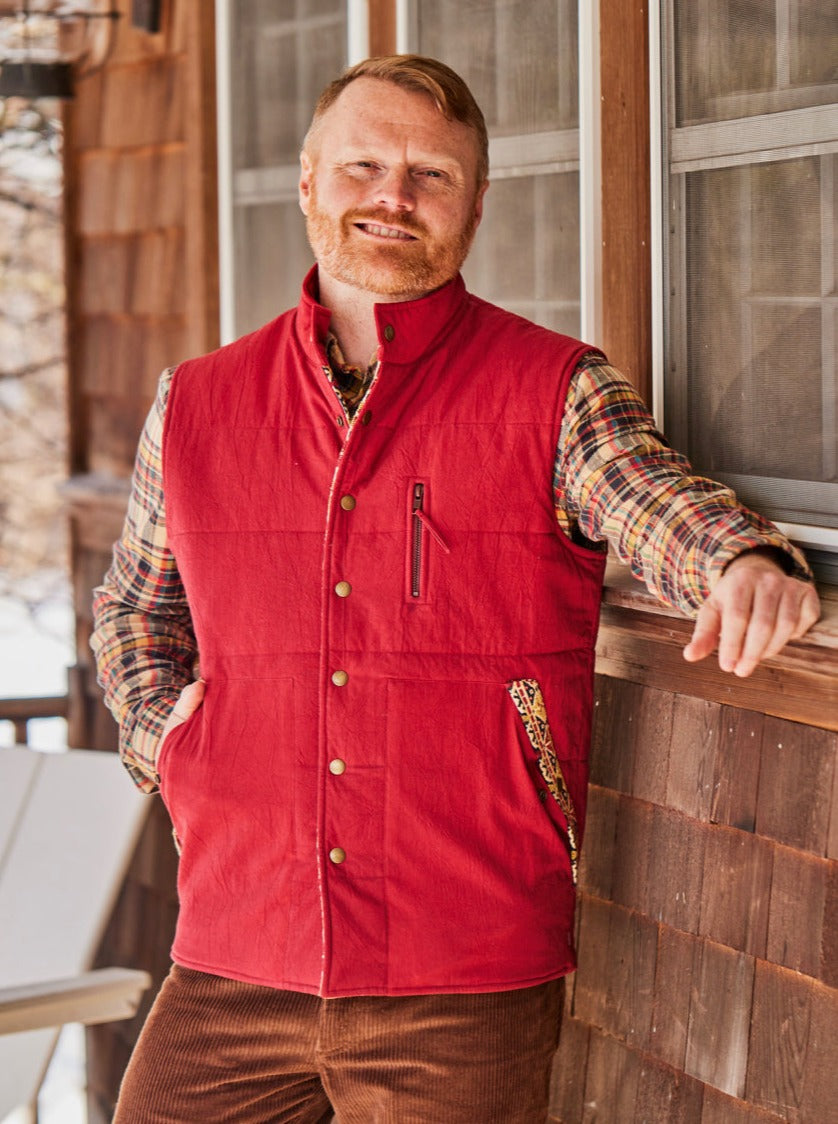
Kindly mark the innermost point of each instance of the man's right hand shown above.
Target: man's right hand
(189, 699)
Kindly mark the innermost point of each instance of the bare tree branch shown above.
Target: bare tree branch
(31, 368)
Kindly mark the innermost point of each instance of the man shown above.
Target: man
(378, 522)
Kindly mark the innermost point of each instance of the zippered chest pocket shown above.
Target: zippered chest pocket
(423, 536)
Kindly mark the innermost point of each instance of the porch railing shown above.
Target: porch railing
(21, 711)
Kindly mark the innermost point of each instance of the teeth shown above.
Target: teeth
(385, 231)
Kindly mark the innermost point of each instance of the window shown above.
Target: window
(750, 100)
(520, 59)
(275, 57)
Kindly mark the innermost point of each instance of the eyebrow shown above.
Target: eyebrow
(437, 160)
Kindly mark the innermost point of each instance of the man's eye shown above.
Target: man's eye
(432, 173)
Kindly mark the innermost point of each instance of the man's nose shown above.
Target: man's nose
(395, 190)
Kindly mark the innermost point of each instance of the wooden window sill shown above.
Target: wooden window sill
(642, 640)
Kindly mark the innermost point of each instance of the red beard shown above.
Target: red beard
(392, 268)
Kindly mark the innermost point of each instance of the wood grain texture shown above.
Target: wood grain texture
(671, 1002)
(718, 1108)
(651, 724)
(722, 983)
(596, 867)
(134, 275)
(630, 886)
(791, 1069)
(382, 17)
(626, 214)
(796, 784)
(155, 116)
(615, 981)
(665, 1093)
(613, 743)
(200, 184)
(829, 937)
(676, 869)
(797, 911)
(692, 756)
(736, 777)
(612, 1080)
(567, 1083)
(737, 889)
(123, 355)
(123, 192)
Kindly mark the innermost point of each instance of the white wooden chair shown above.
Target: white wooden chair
(69, 823)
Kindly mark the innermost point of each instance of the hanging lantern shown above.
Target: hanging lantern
(46, 44)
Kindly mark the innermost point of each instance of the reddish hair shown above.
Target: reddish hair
(421, 75)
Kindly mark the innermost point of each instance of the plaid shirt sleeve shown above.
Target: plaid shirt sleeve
(617, 480)
(143, 638)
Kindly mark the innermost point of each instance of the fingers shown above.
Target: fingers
(754, 610)
(810, 611)
(779, 612)
(750, 632)
(705, 634)
(189, 699)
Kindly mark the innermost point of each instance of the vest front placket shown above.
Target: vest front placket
(351, 765)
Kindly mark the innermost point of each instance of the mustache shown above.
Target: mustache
(382, 217)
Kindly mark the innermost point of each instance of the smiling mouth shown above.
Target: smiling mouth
(390, 232)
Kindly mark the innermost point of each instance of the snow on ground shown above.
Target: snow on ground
(36, 628)
(35, 651)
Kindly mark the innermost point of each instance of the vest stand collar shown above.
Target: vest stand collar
(406, 329)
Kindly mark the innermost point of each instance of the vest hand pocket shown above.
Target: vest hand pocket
(527, 696)
(189, 701)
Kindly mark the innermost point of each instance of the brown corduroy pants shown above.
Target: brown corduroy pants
(214, 1050)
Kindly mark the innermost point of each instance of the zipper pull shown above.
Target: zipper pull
(419, 513)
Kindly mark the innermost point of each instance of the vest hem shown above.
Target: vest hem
(483, 988)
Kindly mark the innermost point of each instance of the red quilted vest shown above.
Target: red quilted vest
(384, 790)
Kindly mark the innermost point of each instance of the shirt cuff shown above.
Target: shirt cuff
(139, 741)
(788, 556)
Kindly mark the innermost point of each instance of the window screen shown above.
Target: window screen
(282, 54)
(752, 251)
(520, 59)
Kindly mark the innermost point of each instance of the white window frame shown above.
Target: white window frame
(590, 172)
(717, 145)
(224, 130)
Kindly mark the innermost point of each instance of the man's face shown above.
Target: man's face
(389, 190)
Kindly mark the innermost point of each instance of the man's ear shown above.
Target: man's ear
(478, 202)
(306, 172)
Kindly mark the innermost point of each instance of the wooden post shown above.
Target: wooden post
(201, 186)
(382, 27)
(626, 213)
